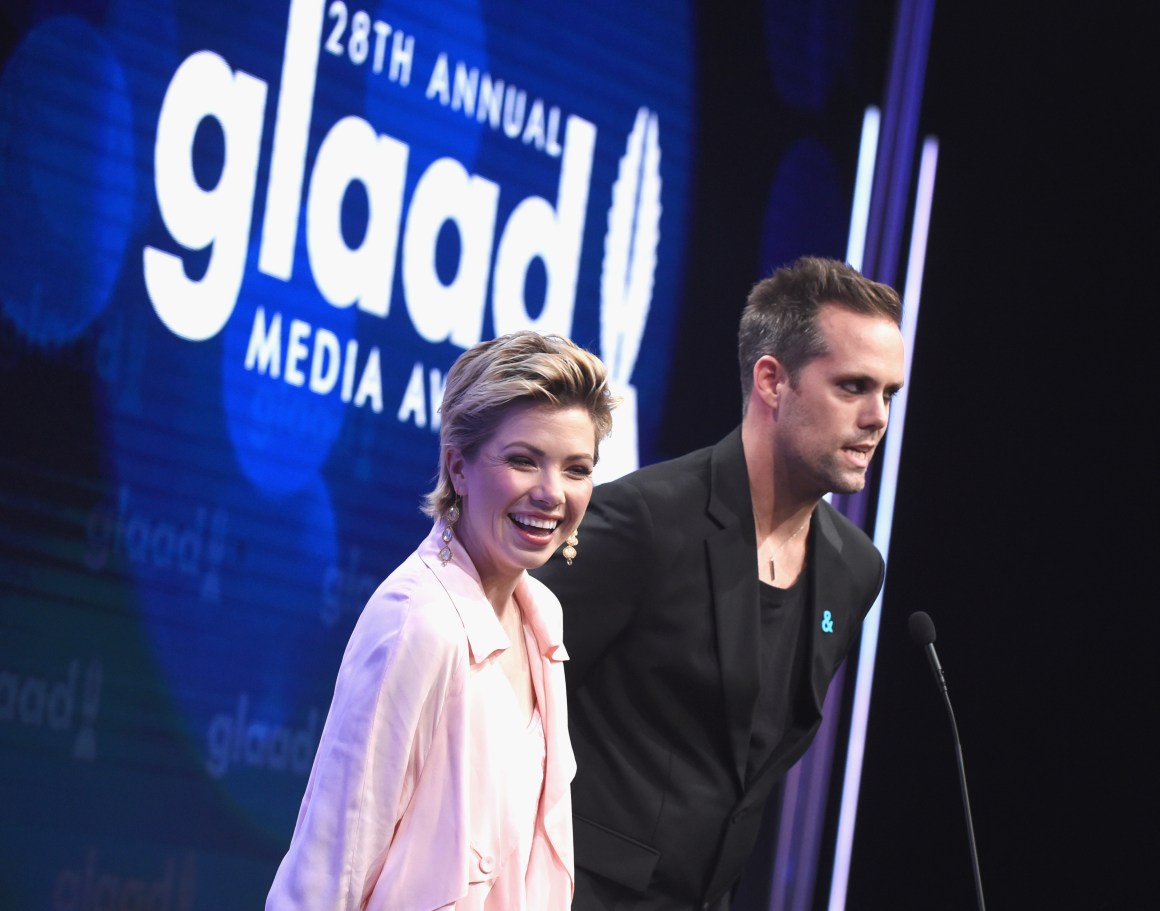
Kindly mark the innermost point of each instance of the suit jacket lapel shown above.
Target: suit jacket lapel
(733, 578)
(830, 585)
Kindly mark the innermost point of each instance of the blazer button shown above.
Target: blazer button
(486, 863)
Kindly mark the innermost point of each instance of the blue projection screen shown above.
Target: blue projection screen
(240, 245)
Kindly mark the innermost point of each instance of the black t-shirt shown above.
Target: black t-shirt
(783, 612)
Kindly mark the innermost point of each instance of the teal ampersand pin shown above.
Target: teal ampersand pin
(827, 622)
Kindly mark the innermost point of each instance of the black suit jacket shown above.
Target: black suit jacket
(662, 626)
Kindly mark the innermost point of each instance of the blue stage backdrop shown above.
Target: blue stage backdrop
(240, 244)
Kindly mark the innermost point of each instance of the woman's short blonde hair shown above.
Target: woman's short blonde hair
(520, 368)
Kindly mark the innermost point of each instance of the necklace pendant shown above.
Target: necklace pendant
(772, 570)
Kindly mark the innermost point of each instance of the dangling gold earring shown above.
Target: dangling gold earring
(448, 533)
(569, 550)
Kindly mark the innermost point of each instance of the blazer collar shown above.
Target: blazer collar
(733, 574)
(730, 503)
(485, 635)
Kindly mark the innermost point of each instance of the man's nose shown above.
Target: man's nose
(876, 413)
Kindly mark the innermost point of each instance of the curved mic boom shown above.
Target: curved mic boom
(923, 635)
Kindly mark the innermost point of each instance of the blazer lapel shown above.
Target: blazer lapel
(830, 585)
(460, 580)
(547, 647)
(733, 578)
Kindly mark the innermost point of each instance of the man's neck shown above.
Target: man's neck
(776, 503)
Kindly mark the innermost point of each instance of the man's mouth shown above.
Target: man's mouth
(860, 453)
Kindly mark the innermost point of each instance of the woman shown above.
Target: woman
(442, 776)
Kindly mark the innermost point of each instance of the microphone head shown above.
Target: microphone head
(921, 629)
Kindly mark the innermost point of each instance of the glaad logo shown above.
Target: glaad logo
(205, 86)
(62, 706)
(193, 549)
(346, 588)
(120, 360)
(360, 273)
(235, 739)
(94, 889)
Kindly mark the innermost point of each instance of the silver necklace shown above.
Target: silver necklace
(781, 547)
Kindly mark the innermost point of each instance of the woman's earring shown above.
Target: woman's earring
(569, 550)
(448, 533)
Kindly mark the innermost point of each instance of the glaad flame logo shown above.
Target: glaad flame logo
(101, 883)
(626, 284)
(39, 702)
(85, 745)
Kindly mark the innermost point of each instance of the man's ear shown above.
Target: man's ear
(770, 379)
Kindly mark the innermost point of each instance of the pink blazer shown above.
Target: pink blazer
(397, 815)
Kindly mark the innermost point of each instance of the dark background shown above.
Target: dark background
(1024, 511)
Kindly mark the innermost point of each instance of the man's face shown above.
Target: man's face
(831, 420)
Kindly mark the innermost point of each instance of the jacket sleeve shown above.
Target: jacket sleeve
(401, 669)
(605, 586)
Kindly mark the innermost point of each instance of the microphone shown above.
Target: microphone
(923, 635)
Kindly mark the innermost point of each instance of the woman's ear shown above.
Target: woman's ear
(453, 459)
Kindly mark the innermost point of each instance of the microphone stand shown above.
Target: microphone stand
(938, 673)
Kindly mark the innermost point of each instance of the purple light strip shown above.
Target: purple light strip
(803, 811)
(882, 530)
(806, 784)
(863, 186)
(876, 249)
(899, 130)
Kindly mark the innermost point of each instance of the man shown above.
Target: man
(714, 596)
